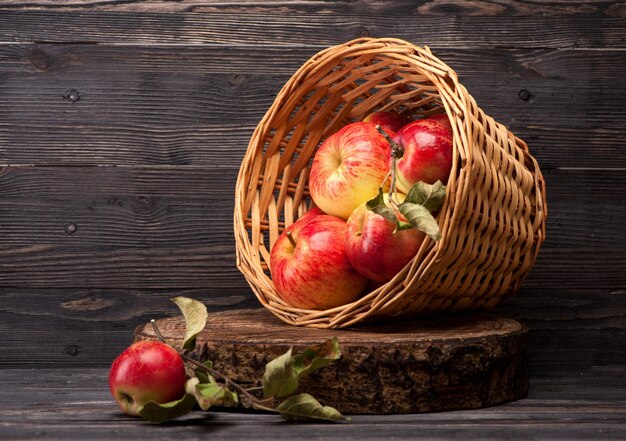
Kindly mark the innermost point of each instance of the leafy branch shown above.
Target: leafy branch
(209, 387)
(420, 203)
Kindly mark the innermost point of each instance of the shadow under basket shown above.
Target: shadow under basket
(493, 218)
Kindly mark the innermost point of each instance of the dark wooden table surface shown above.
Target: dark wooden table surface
(122, 127)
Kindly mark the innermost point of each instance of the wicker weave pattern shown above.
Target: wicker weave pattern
(493, 220)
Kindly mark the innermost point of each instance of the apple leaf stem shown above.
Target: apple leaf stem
(157, 331)
(261, 407)
(205, 368)
(227, 381)
(296, 407)
(397, 151)
(392, 186)
(387, 176)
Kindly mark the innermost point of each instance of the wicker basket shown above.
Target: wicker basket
(493, 220)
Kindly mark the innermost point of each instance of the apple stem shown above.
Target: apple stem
(291, 239)
(392, 186)
(157, 331)
(397, 151)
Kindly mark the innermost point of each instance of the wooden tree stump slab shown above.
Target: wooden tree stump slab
(445, 363)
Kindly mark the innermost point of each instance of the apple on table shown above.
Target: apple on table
(146, 371)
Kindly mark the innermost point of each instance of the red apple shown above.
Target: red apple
(389, 121)
(427, 153)
(309, 266)
(348, 168)
(376, 248)
(441, 118)
(146, 371)
(315, 211)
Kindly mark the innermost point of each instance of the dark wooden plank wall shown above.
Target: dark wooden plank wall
(122, 126)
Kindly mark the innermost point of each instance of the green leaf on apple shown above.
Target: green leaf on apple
(279, 379)
(378, 206)
(159, 413)
(195, 314)
(421, 218)
(305, 407)
(210, 393)
(431, 196)
(316, 357)
(401, 225)
(377, 200)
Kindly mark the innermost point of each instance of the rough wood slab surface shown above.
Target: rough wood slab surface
(455, 362)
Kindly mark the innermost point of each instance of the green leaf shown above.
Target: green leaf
(316, 357)
(378, 206)
(386, 212)
(217, 394)
(279, 379)
(376, 201)
(283, 374)
(420, 218)
(202, 374)
(195, 314)
(159, 413)
(210, 393)
(430, 196)
(305, 407)
(401, 225)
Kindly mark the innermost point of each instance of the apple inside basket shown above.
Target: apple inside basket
(429, 247)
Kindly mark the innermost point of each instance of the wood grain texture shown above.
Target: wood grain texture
(76, 404)
(166, 105)
(463, 362)
(168, 227)
(76, 265)
(318, 29)
(150, 206)
(87, 327)
(424, 7)
(197, 106)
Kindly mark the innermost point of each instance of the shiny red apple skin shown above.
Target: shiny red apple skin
(146, 371)
(441, 118)
(348, 168)
(375, 248)
(316, 273)
(389, 121)
(315, 211)
(427, 153)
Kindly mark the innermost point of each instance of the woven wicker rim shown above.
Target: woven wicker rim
(493, 220)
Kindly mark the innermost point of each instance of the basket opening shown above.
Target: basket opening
(347, 92)
(334, 97)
